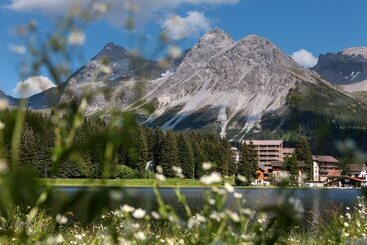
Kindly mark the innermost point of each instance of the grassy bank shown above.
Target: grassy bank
(175, 182)
(121, 182)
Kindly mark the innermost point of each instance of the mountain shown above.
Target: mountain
(47, 99)
(12, 101)
(113, 70)
(347, 68)
(236, 89)
(226, 86)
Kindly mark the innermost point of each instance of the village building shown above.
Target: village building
(267, 150)
(288, 152)
(322, 165)
(356, 170)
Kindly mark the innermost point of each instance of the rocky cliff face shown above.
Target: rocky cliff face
(347, 68)
(226, 85)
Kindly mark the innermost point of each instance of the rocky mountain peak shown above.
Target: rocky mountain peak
(214, 36)
(356, 51)
(112, 51)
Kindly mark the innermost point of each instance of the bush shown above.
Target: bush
(124, 172)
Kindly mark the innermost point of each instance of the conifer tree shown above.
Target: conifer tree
(185, 156)
(157, 148)
(303, 153)
(291, 166)
(168, 154)
(141, 150)
(247, 165)
(199, 155)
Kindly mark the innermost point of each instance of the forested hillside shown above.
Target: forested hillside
(134, 147)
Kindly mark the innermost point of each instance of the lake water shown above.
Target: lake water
(316, 202)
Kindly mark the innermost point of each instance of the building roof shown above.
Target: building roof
(334, 173)
(355, 167)
(264, 142)
(288, 150)
(277, 164)
(328, 159)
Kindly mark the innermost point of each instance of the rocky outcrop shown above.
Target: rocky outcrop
(348, 67)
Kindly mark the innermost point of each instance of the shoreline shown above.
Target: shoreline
(149, 183)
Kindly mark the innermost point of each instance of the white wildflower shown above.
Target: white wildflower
(215, 216)
(228, 187)
(3, 104)
(195, 220)
(140, 236)
(347, 208)
(2, 125)
(100, 7)
(115, 195)
(211, 201)
(17, 49)
(242, 178)
(55, 239)
(297, 204)
(61, 219)
(160, 177)
(105, 69)
(127, 209)
(237, 195)
(246, 211)
(346, 224)
(212, 178)
(159, 169)
(139, 213)
(76, 38)
(79, 237)
(3, 167)
(174, 52)
(234, 216)
(218, 190)
(155, 215)
(178, 172)
(207, 165)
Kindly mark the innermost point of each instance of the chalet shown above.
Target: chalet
(356, 170)
(322, 165)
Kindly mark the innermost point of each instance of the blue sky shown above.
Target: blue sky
(318, 26)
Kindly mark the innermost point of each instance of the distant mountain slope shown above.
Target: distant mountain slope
(347, 68)
(12, 101)
(47, 99)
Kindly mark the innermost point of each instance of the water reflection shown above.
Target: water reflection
(316, 202)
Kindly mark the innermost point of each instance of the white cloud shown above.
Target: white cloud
(32, 85)
(178, 27)
(117, 12)
(304, 58)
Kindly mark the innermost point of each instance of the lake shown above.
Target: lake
(316, 202)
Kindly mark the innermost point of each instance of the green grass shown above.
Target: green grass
(121, 182)
(174, 182)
